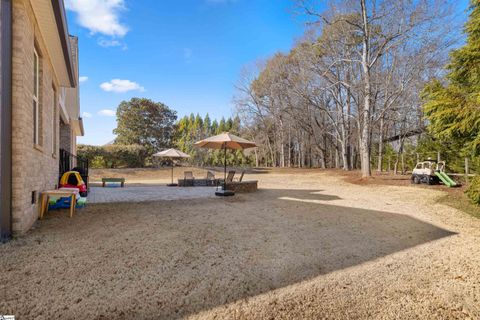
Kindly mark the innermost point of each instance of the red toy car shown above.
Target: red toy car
(72, 179)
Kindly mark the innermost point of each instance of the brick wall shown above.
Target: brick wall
(1, 73)
(35, 168)
(66, 137)
(243, 187)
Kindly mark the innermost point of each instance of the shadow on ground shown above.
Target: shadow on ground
(170, 259)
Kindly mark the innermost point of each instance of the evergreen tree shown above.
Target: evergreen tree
(198, 126)
(193, 128)
(229, 124)
(207, 124)
(221, 126)
(214, 127)
(453, 109)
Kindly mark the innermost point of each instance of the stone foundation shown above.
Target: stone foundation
(197, 183)
(243, 187)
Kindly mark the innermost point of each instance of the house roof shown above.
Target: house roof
(52, 22)
(60, 18)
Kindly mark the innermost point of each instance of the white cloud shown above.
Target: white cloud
(108, 42)
(99, 16)
(107, 112)
(86, 115)
(121, 86)
(82, 79)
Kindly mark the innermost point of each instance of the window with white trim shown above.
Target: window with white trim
(36, 85)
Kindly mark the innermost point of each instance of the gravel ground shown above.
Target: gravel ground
(307, 246)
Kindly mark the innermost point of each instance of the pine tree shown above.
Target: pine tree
(193, 128)
(214, 127)
(207, 124)
(453, 110)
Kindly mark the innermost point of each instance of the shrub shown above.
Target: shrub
(114, 156)
(473, 191)
(131, 156)
(97, 162)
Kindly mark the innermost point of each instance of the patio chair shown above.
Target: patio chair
(210, 179)
(241, 177)
(189, 179)
(230, 176)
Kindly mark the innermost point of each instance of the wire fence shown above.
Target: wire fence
(406, 162)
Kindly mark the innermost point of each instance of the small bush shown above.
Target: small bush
(473, 191)
(114, 156)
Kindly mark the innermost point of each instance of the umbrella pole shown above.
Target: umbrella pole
(225, 168)
(172, 171)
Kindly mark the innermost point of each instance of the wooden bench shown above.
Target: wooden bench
(117, 180)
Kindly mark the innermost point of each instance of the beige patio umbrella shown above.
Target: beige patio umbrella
(172, 154)
(225, 141)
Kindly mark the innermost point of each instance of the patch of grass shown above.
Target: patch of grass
(460, 201)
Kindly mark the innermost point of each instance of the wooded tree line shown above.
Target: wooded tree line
(351, 85)
(366, 86)
(137, 138)
(193, 128)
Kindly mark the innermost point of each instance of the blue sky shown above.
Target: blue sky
(187, 54)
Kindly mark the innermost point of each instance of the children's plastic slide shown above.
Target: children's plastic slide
(445, 179)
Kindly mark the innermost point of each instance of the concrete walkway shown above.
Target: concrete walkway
(149, 193)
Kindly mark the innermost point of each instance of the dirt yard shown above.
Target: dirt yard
(307, 245)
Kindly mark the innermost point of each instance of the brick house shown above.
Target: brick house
(40, 109)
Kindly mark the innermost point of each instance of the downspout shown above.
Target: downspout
(6, 121)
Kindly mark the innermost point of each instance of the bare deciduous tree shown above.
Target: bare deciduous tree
(351, 82)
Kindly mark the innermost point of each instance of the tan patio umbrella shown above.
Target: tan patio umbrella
(225, 141)
(172, 154)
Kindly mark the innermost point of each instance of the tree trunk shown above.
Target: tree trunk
(395, 166)
(380, 147)
(289, 147)
(352, 157)
(322, 159)
(337, 158)
(282, 144)
(365, 133)
(347, 138)
(272, 153)
(399, 155)
(346, 164)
